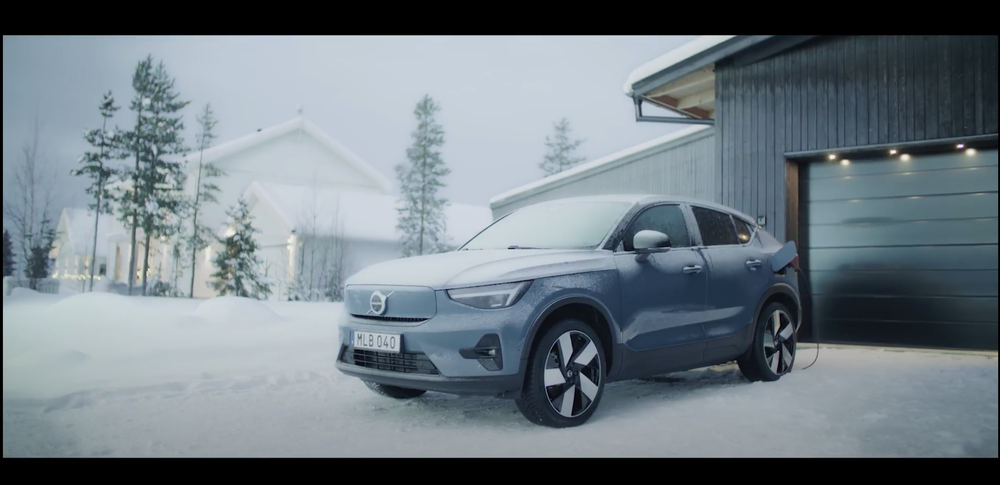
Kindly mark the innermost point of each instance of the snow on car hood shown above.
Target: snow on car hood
(481, 267)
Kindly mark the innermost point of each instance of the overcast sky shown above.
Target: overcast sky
(499, 95)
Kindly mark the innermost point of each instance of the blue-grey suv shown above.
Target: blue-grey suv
(553, 301)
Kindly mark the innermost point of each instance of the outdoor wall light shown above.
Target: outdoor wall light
(833, 157)
(961, 146)
(892, 152)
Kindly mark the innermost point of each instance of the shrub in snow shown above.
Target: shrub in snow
(8, 255)
(39, 262)
(422, 217)
(239, 272)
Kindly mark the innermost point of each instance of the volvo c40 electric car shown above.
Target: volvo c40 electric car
(553, 301)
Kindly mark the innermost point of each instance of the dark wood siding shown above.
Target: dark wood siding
(893, 89)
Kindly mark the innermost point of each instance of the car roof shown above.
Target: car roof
(646, 199)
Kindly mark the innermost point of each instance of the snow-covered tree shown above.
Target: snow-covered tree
(561, 149)
(29, 199)
(39, 263)
(155, 202)
(129, 199)
(239, 271)
(321, 251)
(98, 167)
(178, 263)
(421, 217)
(8, 255)
(205, 190)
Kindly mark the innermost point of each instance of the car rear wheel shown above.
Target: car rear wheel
(565, 376)
(393, 391)
(772, 354)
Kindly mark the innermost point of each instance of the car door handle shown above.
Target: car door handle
(692, 269)
(754, 264)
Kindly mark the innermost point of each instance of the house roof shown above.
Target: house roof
(359, 215)
(595, 166)
(670, 59)
(683, 80)
(78, 225)
(298, 123)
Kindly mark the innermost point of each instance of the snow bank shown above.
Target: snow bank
(56, 346)
(235, 311)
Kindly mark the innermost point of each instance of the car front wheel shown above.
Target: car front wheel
(772, 353)
(565, 376)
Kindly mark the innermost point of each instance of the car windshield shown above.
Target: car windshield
(553, 225)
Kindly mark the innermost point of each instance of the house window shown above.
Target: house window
(102, 269)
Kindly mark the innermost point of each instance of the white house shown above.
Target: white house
(74, 244)
(317, 237)
(287, 166)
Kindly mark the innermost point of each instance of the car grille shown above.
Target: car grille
(380, 318)
(403, 362)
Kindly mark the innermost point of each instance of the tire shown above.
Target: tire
(393, 391)
(772, 353)
(552, 405)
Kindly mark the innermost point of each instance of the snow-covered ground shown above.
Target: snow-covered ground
(103, 375)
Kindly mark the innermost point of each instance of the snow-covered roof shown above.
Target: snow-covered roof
(651, 68)
(78, 225)
(297, 123)
(589, 167)
(359, 215)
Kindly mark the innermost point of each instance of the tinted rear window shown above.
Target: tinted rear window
(716, 227)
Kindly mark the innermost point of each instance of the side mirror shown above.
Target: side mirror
(650, 241)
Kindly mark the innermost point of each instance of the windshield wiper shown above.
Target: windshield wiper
(521, 247)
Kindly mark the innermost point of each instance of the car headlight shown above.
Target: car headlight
(490, 297)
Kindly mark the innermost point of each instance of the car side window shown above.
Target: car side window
(716, 227)
(668, 219)
(743, 230)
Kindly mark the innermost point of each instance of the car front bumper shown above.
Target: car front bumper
(439, 354)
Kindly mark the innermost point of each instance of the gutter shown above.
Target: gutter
(684, 120)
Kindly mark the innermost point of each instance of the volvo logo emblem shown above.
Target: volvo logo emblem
(377, 303)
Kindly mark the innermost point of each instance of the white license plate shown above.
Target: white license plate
(382, 342)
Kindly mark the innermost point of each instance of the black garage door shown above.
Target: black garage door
(903, 251)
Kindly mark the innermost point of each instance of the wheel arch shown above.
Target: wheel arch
(587, 309)
(781, 293)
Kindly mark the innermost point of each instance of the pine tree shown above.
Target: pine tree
(165, 177)
(561, 150)
(201, 235)
(155, 200)
(39, 262)
(239, 271)
(98, 168)
(132, 201)
(8, 255)
(422, 218)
